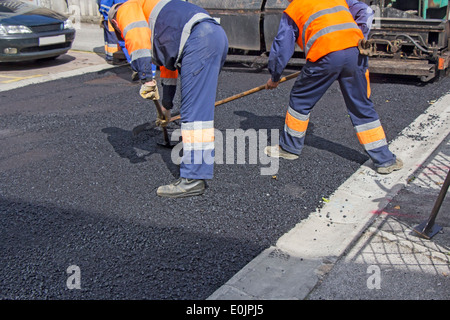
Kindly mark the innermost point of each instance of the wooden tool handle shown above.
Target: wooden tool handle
(159, 109)
(246, 93)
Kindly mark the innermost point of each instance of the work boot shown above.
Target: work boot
(393, 167)
(278, 152)
(183, 187)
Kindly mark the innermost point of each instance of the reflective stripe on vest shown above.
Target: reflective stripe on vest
(324, 29)
(296, 123)
(186, 29)
(137, 20)
(198, 135)
(138, 53)
(371, 135)
(135, 30)
(316, 15)
(168, 77)
(154, 15)
(133, 25)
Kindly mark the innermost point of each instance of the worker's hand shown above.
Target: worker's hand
(271, 84)
(163, 119)
(364, 47)
(149, 90)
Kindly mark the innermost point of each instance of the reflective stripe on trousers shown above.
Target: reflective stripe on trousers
(110, 39)
(203, 56)
(349, 68)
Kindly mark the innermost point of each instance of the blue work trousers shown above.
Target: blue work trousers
(202, 59)
(349, 68)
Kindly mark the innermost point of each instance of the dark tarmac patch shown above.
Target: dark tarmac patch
(92, 203)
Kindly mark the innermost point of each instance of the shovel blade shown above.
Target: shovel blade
(165, 144)
(142, 127)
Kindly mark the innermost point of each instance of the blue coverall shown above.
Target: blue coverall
(347, 66)
(109, 36)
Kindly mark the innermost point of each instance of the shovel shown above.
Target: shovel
(148, 126)
(166, 143)
(246, 93)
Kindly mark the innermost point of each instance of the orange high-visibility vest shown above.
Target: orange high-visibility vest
(158, 30)
(324, 26)
(168, 77)
(134, 25)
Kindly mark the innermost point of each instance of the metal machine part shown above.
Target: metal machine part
(408, 37)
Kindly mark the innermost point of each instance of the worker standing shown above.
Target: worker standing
(328, 32)
(182, 37)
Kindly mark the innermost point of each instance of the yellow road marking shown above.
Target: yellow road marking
(15, 79)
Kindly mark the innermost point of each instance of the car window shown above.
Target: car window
(12, 6)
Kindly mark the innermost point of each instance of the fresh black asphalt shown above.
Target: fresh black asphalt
(76, 188)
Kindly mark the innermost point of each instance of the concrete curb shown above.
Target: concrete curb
(301, 257)
(61, 75)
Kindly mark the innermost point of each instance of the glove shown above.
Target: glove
(149, 91)
(163, 119)
(364, 47)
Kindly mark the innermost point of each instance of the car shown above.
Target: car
(29, 32)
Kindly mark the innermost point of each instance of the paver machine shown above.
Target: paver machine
(408, 37)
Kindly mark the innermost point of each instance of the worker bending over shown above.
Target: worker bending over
(182, 37)
(112, 44)
(328, 32)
